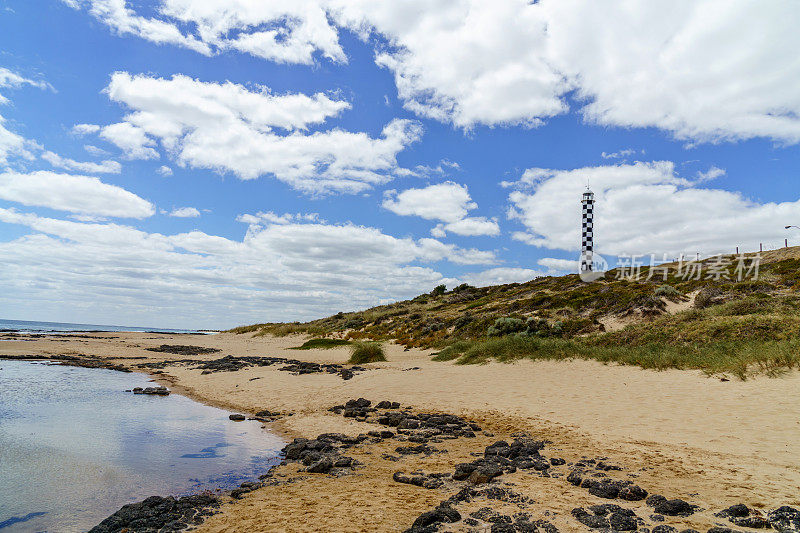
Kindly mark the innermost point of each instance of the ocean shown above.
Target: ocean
(75, 447)
(29, 326)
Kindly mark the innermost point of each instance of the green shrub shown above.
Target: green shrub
(667, 291)
(506, 326)
(539, 327)
(439, 290)
(366, 352)
(321, 344)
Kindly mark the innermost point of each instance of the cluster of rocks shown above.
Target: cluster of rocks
(783, 519)
(323, 455)
(84, 361)
(608, 516)
(599, 485)
(182, 349)
(157, 514)
(504, 458)
(156, 391)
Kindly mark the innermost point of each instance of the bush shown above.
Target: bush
(667, 291)
(321, 344)
(539, 327)
(506, 326)
(366, 352)
(439, 290)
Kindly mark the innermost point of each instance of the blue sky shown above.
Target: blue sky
(331, 155)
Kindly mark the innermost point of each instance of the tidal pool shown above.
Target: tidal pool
(75, 447)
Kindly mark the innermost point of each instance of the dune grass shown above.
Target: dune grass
(742, 359)
(366, 352)
(321, 344)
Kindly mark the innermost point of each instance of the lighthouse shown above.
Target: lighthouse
(587, 243)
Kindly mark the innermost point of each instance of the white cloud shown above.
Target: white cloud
(448, 202)
(643, 208)
(13, 80)
(620, 154)
(185, 212)
(75, 194)
(132, 140)
(701, 69)
(85, 129)
(276, 272)
(558, 265)
(95, 151)
(164, 170)
(711, 174)
(271, 218)
(502, 275)
(104, 167)
(226, 127)
(281, 31)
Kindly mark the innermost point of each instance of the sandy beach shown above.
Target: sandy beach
(680, 434)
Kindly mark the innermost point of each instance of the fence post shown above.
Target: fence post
(760, 247)
(737, 250)
(785, 243)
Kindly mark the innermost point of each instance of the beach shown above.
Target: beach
(681, 434)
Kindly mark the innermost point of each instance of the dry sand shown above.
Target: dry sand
(681, 433)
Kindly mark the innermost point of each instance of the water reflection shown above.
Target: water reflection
(74, 447)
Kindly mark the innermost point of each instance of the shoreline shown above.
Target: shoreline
(724, 471)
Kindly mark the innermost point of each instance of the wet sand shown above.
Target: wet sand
(680, 433)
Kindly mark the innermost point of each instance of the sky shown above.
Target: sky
(210, 163)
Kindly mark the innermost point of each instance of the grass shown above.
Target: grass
(321, 344)
(742, 359)
(366, 352)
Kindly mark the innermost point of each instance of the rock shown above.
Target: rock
(484, 474)
(438, 515)
(575, 477)
(785, 519)
(590, 520)
(654, 500)
(323, 466)
(159, 514)
(463, 471)
(621, 521)
(346, 374)
(399, 477)
(557, 461)
(664, 529)
(754, 522)
(734, 511)
(237, 417)
(632, 493)
(675, 507)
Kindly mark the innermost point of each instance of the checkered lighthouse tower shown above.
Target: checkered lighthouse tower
(587, 243)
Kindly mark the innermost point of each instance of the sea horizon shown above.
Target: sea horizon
(37, 326)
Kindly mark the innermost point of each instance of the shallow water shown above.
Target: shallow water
(74, 447)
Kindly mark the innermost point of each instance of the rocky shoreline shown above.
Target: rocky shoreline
(503, 507)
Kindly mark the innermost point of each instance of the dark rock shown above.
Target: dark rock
(463, 471)
(439, 515)
(179, 349)
(322, 466)
(237, 417)
(160, 514)
(632, 493)
(785, 519)
(675, 507)
(484, 474)
(557, 461)
(755, 522)
(621, 521)
(664, 529)
(734, 511)
(590, 520)
(575, 477)
(399, 477)
(654, 500)
(413, 450)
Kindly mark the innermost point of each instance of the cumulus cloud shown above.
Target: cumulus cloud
(85, 129)
(558, 265)
(448, 202)
(643, 208)
(283, 31)
(74, 194)
(699, 69)
(185, 212)
(164, 170)
(271, 218)
(275, 272)
(501, 275)
(104, 167)
(227, 127)
(13, 144)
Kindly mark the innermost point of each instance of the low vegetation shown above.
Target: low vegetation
(321, 344)
(366, 352)
(720, 325)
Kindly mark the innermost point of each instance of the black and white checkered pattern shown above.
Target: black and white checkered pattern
(587, 243)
